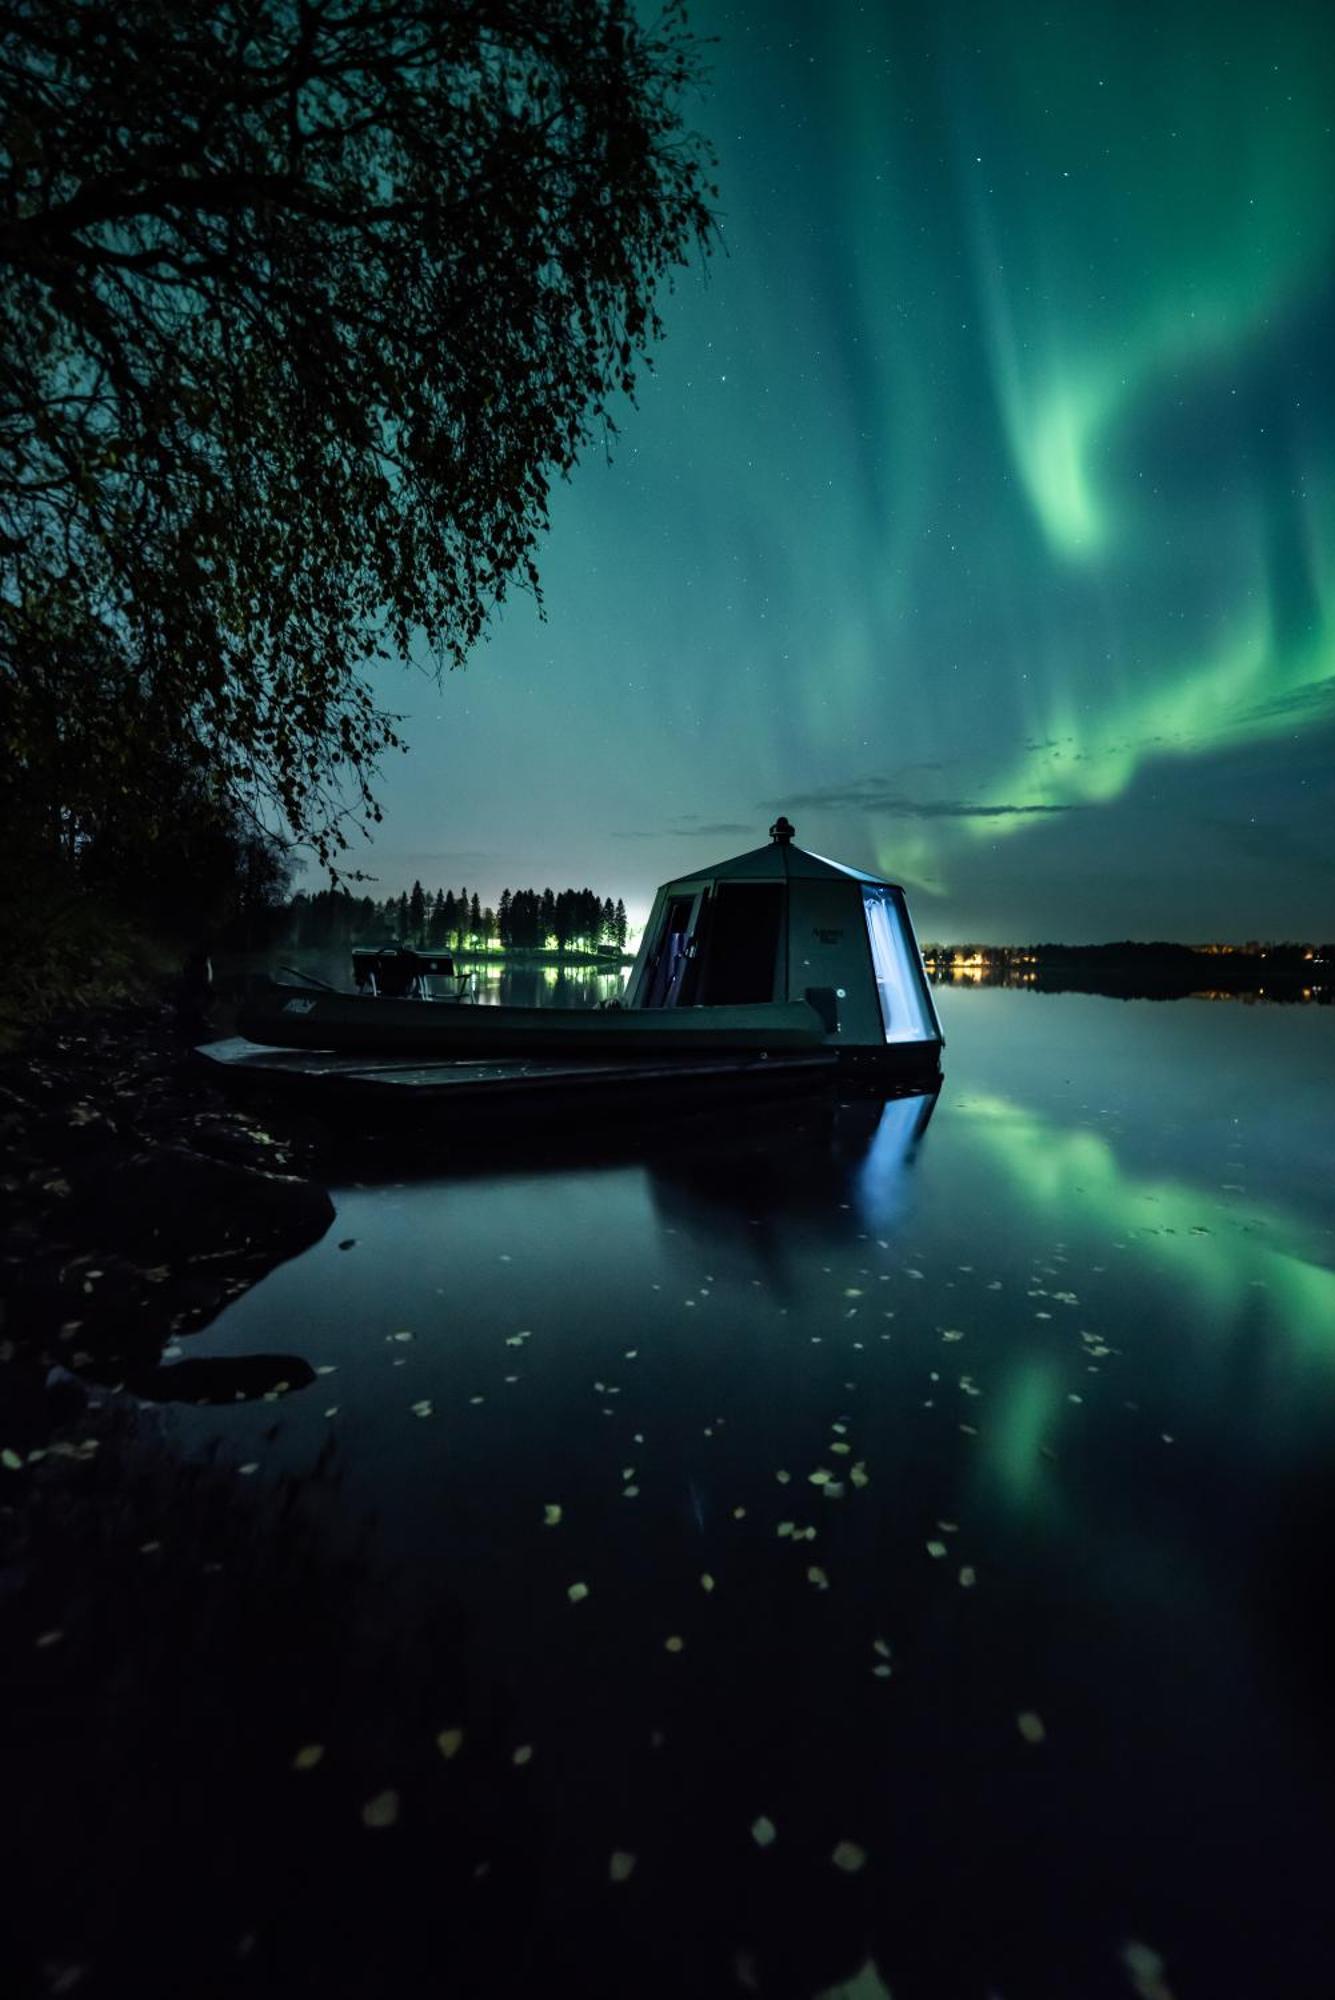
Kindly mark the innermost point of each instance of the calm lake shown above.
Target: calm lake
(838, 1541)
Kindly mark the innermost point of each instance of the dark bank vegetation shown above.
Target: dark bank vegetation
(304, 304)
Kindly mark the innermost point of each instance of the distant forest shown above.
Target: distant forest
(523, 920)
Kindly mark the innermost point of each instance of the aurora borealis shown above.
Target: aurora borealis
(980, 511)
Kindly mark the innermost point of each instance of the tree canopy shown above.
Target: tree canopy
(303, 306)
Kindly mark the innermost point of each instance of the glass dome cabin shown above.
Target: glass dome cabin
(780, 923)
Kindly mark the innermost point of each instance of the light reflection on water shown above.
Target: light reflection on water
(1074, 1324)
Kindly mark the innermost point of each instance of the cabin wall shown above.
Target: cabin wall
(827, 946)
(644, 956)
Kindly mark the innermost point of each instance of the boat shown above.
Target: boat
(349, 1024)
(774, 959)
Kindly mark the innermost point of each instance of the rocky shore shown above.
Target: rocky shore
(138, 1202)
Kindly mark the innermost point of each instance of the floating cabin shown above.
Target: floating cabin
(781, 924)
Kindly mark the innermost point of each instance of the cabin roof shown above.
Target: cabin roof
(773, 863)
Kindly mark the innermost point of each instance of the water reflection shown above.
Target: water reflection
(906, 1417)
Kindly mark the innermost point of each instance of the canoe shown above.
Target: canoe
(347, 1023)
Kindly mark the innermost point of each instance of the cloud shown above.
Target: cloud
(874, 796)
(678, 829)
(1313, 701)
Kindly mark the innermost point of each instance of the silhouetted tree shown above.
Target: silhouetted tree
(620, 925)
(303, 304)
(417, 915)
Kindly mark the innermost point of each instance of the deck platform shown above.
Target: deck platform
(528, 1086)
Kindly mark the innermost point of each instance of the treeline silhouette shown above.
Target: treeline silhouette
(443, 920)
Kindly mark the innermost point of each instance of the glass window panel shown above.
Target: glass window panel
(905, 1009)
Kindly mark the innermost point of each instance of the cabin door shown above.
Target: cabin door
(675, 951)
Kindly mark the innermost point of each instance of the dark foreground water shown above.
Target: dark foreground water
(846, 1547)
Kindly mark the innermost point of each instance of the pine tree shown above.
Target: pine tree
(475, 920)
(503, 919)
(417, 915)
(620, 926)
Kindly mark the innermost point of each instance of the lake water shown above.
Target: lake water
(940, 1593)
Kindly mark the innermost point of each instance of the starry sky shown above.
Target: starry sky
(980, 510)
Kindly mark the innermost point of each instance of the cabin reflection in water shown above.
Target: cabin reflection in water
(853, 1153)
(780, 924)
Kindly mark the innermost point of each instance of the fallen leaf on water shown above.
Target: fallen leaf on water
(424, 1408)
(859, 1474)
(1030, 1726)
(819, 1476)
(551, 1515)
(816, 1575)
(11, 1460)
(786, 1528)
(839, 1447)
(523, 1755)
(937, 1549)
(783, 1477)
(865, 1984)
(880, 1646)
(577, 1592)
(763, 1831)
(449, 1743)
(45, 1639)
(849, 1856)
(246, 1470)
(382, 1810)
(675, 1644)
(968, 1577)
(706, 1581)
(1145, 1969)
(630, 1492)
(739, 1513)
(621, 1866)
(309, 1755)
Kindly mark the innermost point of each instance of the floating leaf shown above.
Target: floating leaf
(937, 1549)
(816, 1575)
(449, 1743)
(676, 1644)
(1030, 1726)
(621, 1866)
(706, 1581)
(309, 1755)
(523, 1755)
(763, 1831)
(551, 1515)
(577, 1592)
(968, 1577)
(849, 1856)
(786, 1528)
(381, 1811)
(783, 1477)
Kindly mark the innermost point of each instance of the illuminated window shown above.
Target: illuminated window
(905, 1009)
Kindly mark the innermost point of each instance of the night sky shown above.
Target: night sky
(980, 511)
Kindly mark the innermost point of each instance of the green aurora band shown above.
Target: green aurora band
(985, 488)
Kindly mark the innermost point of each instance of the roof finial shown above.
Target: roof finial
(782, 831)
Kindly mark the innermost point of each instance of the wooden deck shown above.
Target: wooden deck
(523, 1085)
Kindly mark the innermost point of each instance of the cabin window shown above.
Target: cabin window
(900, 980)
(745, 933)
